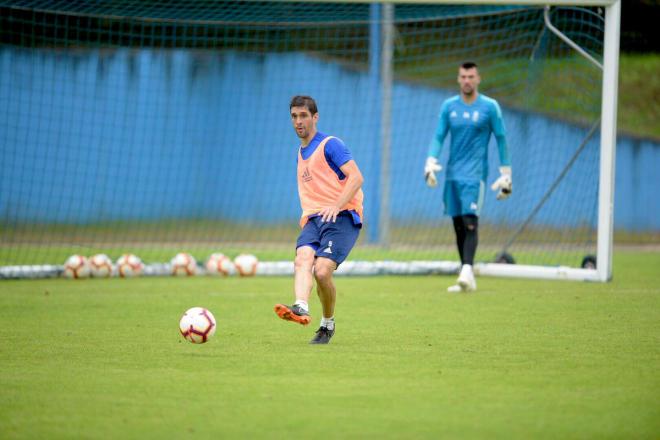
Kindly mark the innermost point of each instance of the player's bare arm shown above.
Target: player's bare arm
(354, 182)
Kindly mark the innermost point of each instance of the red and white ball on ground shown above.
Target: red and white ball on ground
(197, 325)
(76, 266)
(246, 264)
(219, 264)
(129, 265)
(183, 264)
(100, 266)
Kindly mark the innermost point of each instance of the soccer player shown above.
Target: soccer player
(470, 117)
(329, 186)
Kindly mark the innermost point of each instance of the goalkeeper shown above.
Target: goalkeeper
(470, 117)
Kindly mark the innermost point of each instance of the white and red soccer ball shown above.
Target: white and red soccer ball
(100, 266)
(246, 264)
(129, 265)
(183, 264)
(76, 266)
(219, 264)
(197, 325)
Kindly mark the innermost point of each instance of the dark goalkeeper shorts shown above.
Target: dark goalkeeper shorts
(328, 239)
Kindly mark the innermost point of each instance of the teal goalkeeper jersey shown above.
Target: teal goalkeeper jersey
(470, 126)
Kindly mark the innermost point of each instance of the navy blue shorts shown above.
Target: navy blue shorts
(328, 239)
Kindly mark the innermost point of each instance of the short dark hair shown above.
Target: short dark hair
(469, 65)
(304, 101)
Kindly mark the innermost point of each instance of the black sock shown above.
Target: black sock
(471, 223)
(460, 235)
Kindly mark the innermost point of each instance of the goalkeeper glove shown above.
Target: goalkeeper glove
(503, 183)
(430, 168)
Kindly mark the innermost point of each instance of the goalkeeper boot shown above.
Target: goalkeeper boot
(322, 336)
(466, 280)
(293, 313)
(468, 284)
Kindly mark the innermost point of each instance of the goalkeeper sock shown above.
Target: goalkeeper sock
(303, 305)
(471, 223)
(328, 323)
(460, 235)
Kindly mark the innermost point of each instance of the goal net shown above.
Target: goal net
(153, 128)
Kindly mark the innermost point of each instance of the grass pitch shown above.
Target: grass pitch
(517, 359)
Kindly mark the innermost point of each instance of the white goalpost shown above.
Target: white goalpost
(603, 269)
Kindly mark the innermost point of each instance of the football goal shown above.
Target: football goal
(154, 128)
